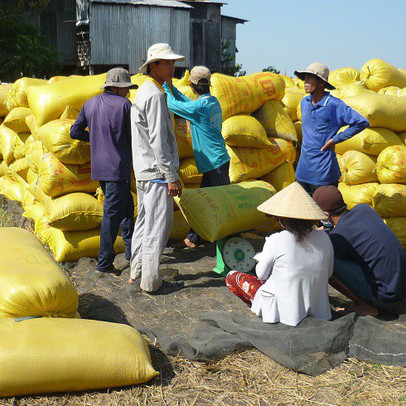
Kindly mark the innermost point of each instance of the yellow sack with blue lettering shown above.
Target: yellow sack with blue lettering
(31, 283)
(65, 355)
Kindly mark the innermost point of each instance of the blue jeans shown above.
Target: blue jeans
(353, 276)
(216, 177)
(118, 211)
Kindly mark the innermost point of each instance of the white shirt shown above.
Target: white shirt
(296, 275)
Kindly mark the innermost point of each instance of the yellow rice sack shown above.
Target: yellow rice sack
(55, 136)
(72, 245)
(298, 128)
(398, 226)
(57, 178)
(343, 76)
(11, 189)
(31, 284)
(244, 131)
(252, 163)
(353, 89)
(391, 165)
(298, 83)
(276, 121)
(69, 113)
(358, 194)
(34, 151)
(183, 138)
(180, 227)
(31, 176)
(288, 81)
(391, 91)
(66, 355)
(4, 90)
(291, 100)
(54, 79)
(281, 177)
(19, 167)
(49, 102)
(216, 212)
(287, 148)
(3, 168)
(32, 125)
(183, 81)
(245, 94)
(15, 120)
(371, 141)
(381, 110)
(19, 146)
(358, 168)
(390, 200)
(7, 142)
(377, 74)
(188, 172)
(74, 212)
(17, 96)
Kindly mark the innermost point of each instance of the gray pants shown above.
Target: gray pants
(151, 233)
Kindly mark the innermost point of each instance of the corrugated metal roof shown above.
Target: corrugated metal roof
(238, 20)
(159, 3)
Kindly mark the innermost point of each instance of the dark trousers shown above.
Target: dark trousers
(118, 211)
(216, 177)
(310, 189)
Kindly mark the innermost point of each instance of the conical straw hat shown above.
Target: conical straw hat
(293, 202)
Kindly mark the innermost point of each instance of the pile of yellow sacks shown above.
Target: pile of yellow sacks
(373, 163)
(49, 173)
(44, 345)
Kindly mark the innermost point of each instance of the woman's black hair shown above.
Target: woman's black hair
(299, 228)
(202, 87)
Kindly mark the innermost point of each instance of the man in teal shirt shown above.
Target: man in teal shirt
(205, 116)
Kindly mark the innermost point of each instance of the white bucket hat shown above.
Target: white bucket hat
(157, 52)
(318, 69)
(293, 202)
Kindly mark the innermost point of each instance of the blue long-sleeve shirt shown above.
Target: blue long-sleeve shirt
(108, 118)
(205, 119)
(320, 123)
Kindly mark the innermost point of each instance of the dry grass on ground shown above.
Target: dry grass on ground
(245, 378)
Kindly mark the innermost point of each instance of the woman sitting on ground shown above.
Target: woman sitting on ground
(295, 265)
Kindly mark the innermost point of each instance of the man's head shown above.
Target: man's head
(118, 80)
(315, 77)
(200, 80)
(160, 62)
(330, 200)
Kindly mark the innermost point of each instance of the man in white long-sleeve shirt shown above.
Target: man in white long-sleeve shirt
(156, 162)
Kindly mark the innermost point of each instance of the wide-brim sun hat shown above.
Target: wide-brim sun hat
(119, 77)
(293, 202)
(160, 51)
(317, 69)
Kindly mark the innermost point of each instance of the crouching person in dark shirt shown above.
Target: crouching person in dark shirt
(369, 261)
(108, 118)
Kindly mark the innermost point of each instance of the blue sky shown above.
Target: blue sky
(291, 34)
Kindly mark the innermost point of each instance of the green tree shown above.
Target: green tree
(271, 69)
(23, 50)
(228, 65)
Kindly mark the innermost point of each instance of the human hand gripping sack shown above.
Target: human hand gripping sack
(175, 188)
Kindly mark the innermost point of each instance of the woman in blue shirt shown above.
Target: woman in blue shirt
(322, 117)
(205, 118)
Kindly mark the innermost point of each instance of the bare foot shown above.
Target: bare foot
(189, 243)
(131, 280)
(364, 309)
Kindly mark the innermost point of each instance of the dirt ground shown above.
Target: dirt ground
(242, 378)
